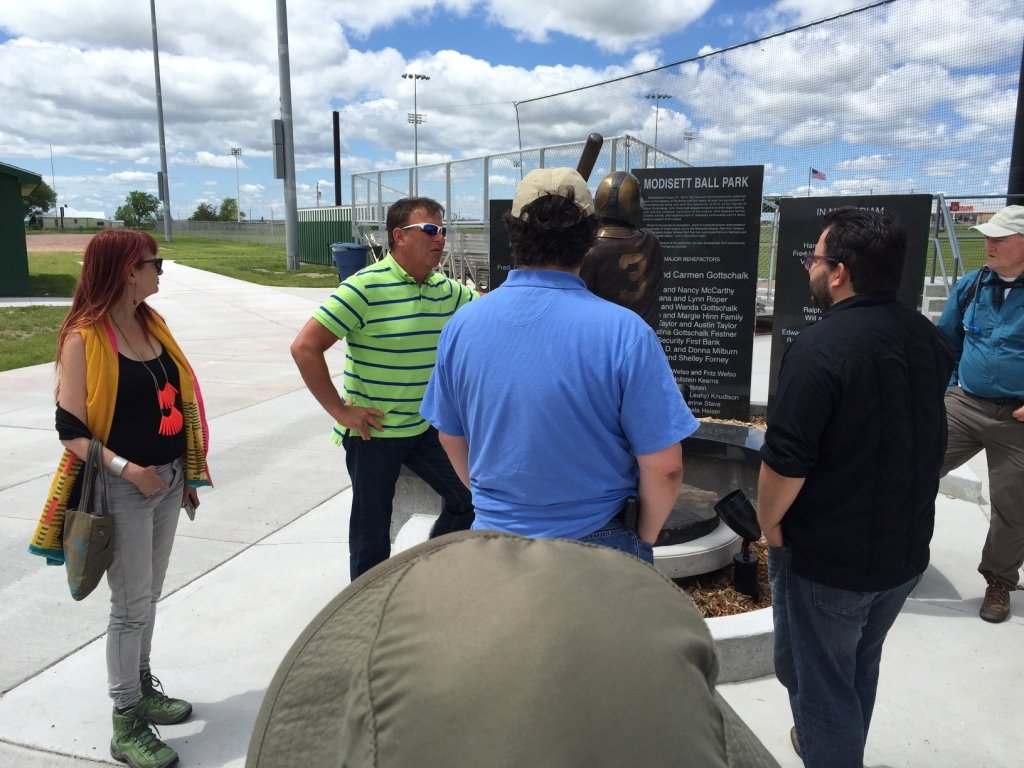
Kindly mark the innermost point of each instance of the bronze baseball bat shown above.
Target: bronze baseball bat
(590, 152)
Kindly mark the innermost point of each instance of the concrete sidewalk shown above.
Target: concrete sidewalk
(269, 548)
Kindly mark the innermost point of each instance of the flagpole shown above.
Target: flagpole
(808, 181)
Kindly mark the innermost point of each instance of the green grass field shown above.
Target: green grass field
(28, 335)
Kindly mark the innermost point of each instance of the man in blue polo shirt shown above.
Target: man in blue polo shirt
(555, 406)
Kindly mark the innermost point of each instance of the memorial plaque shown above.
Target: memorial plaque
(708, 223)
(799, 230)
(500, 260)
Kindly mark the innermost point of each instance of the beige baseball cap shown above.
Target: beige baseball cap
(486, 650)
(552, 181)
(1008, 221)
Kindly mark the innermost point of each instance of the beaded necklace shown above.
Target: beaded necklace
(171, 419)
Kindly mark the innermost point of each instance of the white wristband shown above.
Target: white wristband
(117, 465)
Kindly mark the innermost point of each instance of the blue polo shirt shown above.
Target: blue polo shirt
(556, 392)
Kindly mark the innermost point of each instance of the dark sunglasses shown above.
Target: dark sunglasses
(158, 263)
(430, 229)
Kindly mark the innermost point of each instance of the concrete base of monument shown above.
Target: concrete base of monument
(744, 641)
(693, 558)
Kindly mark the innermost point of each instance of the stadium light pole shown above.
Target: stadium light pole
(236, 152)
(165, 192)
(687, 137)
(657, 99)
(415, 117)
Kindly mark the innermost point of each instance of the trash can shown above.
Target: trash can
(349, 258)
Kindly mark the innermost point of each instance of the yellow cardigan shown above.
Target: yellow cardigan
(101, 379)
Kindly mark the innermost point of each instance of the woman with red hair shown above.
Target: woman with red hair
(123, 379)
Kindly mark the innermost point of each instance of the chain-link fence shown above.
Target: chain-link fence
(899, 97)
(466, 187)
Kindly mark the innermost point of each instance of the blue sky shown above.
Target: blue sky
(78, 77)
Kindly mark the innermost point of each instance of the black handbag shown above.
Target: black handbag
(89, 535)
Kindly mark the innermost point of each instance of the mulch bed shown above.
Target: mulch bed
(713, 593)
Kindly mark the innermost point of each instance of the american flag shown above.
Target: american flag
(816, 174)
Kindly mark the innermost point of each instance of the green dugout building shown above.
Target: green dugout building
(15, 183)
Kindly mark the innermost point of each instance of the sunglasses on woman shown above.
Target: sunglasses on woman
(158, 263)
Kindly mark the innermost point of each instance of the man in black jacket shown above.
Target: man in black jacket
(846, 497)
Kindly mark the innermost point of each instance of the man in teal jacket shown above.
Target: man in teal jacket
(984, 319)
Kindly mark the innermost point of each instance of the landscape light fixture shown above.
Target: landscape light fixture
(738, 513)
(415, 117)
(236, 153)
(657, 98)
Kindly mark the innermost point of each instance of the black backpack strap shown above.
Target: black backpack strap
(973, 291)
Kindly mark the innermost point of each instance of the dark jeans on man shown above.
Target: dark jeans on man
(828, 648)
(374, 466)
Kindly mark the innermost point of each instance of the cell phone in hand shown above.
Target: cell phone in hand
(190, 508)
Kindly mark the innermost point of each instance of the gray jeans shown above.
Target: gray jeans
(143, 537)
(976, 424)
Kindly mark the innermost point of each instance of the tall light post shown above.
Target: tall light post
(657, 98)
(165, 187)
(687, 137)
(236, 152)
(415, 117)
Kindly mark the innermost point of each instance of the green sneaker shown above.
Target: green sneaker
(135, 742)
(159, 708)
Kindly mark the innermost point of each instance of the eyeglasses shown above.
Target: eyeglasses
(430, 229)
(810, 258)
(158, 263)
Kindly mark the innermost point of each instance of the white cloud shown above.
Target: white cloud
(867, 163)
(605, 23)
(944, 167)
(79, 76)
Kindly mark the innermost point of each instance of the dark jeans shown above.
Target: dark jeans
(374, 465)
(828, 647)
(615, 536)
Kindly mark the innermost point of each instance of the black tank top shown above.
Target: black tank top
(138, 419)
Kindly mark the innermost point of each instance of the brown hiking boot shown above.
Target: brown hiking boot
(996, 606)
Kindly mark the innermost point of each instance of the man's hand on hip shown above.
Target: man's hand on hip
(360, 419)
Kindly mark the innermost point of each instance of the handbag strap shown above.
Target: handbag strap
(92, 468)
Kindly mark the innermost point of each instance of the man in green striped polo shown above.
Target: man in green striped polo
(390, 315)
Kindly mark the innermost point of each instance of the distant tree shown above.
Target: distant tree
(127, 214)
(204, 212)
(38, 202)
(228, 209)
(139, 208)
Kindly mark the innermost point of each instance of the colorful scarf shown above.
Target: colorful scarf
(101, 394)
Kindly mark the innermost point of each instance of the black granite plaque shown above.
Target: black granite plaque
(708, 222)
(799, 230)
